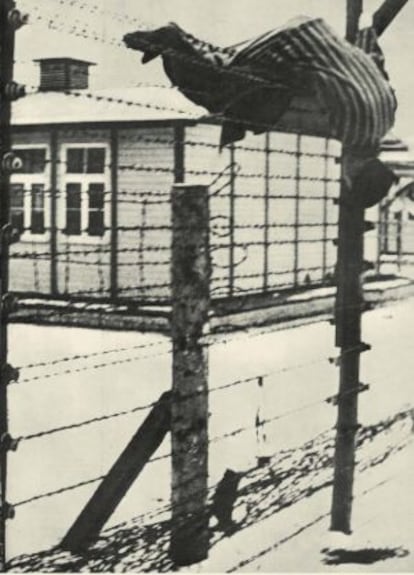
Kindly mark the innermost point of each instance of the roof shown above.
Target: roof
(64, 59)
(397, 155)
(122, 105)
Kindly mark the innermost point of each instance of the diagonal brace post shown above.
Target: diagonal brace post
(85, 530)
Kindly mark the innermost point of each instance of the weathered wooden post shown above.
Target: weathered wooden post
(348, 323)
(189, 408)
(10, 20)
(349, 298)
(348, 338)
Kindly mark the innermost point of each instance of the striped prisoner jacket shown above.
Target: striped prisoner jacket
(252, 85)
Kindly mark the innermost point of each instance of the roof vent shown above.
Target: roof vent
(61, 74)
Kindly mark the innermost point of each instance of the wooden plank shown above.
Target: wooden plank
(386, 14)
(189, 410)
(85, 530)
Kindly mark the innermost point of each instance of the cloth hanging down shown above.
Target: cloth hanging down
(253, 84)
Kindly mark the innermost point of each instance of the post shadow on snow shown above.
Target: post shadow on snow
(134, 545)
(365, 556)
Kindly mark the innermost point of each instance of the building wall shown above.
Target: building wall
(269, 196)
(30, 257)
(146, 175)
(280, 198)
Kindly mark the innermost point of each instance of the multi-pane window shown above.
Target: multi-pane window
(28, 191)
(73, 209)
(37, 225)
(85, 160)
(33, 160)
(86, 177)
(17, 206)
(96, 209)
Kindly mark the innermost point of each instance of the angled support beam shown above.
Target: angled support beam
(386, 13)
(85, 531)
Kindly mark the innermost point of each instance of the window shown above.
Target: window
(29, 207)
(86, 178)
(85, 160)
(17, 207)
(73, 209)
(33, 160)
(96, 210)
(38, 209)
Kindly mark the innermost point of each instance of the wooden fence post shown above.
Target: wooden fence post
(348, 323)
(189, 409)
(348, 338)
(349, 300)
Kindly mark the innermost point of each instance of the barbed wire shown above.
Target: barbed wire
(94, 9)
(237, 73)
(78, 356)
(85, 423)
(71, 371)
(170, 170)
(59, 491)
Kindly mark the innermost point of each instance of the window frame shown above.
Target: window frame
(84, 179)
(28, 180)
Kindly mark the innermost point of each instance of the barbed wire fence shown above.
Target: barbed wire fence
(225, 257)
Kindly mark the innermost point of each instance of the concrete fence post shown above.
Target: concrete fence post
(189, 409)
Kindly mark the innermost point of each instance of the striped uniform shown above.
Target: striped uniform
(347, 81)
(252, 84)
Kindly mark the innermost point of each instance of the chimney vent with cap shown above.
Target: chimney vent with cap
(61, 74)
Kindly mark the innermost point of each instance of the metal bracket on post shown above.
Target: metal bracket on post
(189, 409)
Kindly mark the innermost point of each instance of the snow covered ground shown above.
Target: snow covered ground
(301, 377)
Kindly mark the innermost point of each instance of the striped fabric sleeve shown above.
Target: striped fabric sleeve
(346, 80)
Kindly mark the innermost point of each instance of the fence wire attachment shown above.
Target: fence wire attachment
(7, 511)
(11, 163)
(8, 443)
(13, 91)
(17, 19)
(360, 348)
(9, 374)
(334, 399)
(8, 235)
(9, 303)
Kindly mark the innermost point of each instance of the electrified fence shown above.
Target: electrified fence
(273, 219)
(273, 215)
(159, 215)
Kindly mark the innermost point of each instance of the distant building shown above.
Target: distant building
(92, 198)
(398, 209)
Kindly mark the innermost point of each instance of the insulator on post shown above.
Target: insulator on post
(8, 235)
(9, 374)
(7, 511)
(11, 163)
(8, 443)
(17, 19)
(14, 91)
(8, 303)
